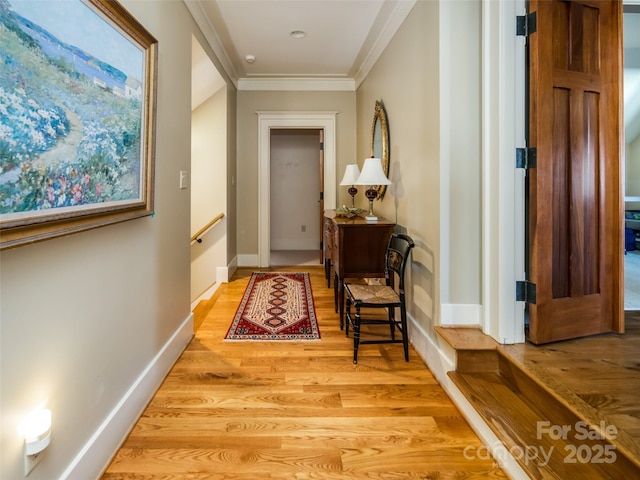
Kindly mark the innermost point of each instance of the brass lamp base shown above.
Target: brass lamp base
(371, 194)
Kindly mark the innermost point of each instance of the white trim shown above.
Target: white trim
(206, 295)
(456, 314)
(248, 260)
(439, 364)
(297, 84)
(503, 191)
(384, 34)
(445, 151)
(392, 14)
(209, 32)
(222, 274)
(96, 454)
(290, 119)
(231, 268)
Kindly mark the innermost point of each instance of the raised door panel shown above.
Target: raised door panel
(575, 197)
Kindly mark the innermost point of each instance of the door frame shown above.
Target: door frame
(503, 127)
(267, 120)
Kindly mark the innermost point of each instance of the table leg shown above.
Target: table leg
(340, 283)
(327, 272)
(335, 292)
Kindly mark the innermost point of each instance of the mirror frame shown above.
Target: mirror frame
(380, 142)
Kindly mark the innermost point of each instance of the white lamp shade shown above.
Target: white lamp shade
(372, 173)
(351, 174)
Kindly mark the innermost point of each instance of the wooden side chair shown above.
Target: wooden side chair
(382, 297)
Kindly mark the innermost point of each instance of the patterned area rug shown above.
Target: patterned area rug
(276, 306)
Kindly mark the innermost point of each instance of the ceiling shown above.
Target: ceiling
(342, 41)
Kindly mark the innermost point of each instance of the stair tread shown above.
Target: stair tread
(516, 424)
(466, 338)
(548, 385)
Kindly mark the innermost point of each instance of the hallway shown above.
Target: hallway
(246, 410)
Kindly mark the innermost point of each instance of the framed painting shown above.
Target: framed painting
(77, 118)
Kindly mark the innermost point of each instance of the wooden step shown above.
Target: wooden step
(548, 437)
(475, 351)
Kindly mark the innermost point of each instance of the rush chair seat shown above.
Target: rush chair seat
(382, 297)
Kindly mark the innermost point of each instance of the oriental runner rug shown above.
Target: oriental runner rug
(276, 306)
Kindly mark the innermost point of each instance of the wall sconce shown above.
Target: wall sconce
(36, 430)
(351, 174)
(372, 175)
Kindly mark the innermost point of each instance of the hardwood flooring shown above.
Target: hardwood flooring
(571, 405)
(298, 410)
(598, 377)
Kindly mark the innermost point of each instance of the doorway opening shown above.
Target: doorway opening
(268, 121)
(296, 191)
(631, 42)
(207, 177)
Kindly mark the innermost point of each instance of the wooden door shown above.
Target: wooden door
(321, 199)
(575, 193)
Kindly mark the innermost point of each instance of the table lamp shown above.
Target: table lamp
(351, 174)
(372, 175)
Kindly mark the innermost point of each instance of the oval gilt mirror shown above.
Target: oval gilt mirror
(380, 142)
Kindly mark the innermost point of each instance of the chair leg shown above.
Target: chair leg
(356, 334)
(347, 317)
(405, 333)
(392, 322)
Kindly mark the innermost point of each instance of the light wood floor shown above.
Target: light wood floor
(303, 410)
(587, 388)
(597, 377)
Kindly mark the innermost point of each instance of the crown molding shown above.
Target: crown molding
(297, 84)
(400, 9)
(209, 33)
(389, 21)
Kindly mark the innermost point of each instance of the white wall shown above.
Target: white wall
(406, 80)
(632, 168)
(208, 190)
(460, 56)
(85, 319)
(295, 190)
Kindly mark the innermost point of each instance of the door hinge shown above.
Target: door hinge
(525, 291)
(526, 157)
(321, 195)
(321, 145)
(526, 24)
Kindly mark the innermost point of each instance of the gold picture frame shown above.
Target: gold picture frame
(87, 69)
(380, 142)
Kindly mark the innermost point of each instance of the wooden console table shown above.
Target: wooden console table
(355, 248)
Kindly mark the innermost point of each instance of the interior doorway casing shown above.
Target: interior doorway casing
(503, 188)
(325, 121)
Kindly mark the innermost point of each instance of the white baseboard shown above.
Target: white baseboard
(440, 363)
(231, 269)
(248, 260)
(206, 295)
(97, 453)
(222, 275)
(460, 314)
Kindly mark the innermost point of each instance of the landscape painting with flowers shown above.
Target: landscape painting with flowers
(74, 113)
